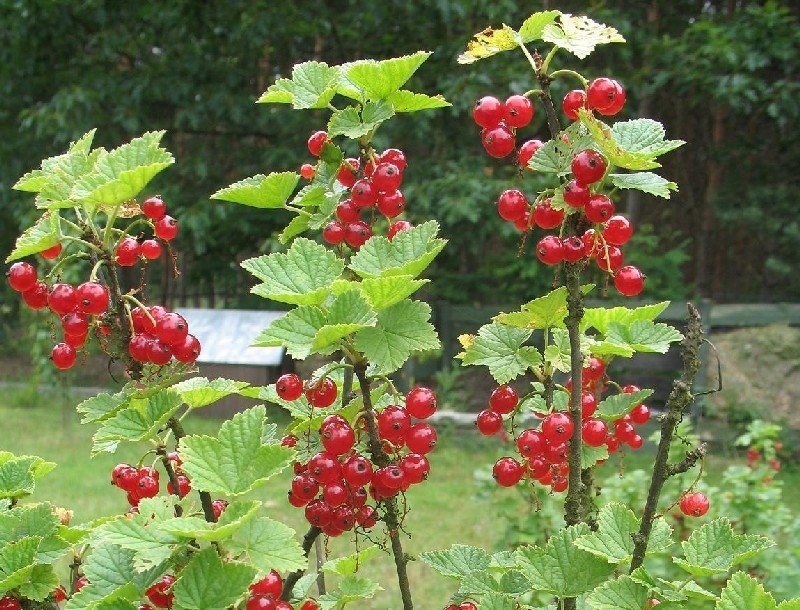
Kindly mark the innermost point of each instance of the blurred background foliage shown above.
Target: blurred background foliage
(720, 74)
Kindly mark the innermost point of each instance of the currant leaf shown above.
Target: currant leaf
(409, 253)
(42, 581)
(355, 123)
(457, 561)
(200, 392)
(500, 348)
(489, 42)
(268, 545)
(383, 292)
(232, 519)
(295, 331)
(619, 405)
(743, 592)
(102, 406)
(377, 80)
(18, 474)
(647, 182)
(643, 336)
(579, 35)
(351, 588)
(715, 548)
(613, 540)
(297, 225)
(601, 317)
(313, 85)
(149, 544)
(43, 234)
(349, 565)
(622, 593)
(644, 136)
(408, 101)
(206, 583)
(260, 191)
(533, 27)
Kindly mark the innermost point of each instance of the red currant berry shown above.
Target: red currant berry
(271, 584)
(357, 233)
(363, 194)
(160, 594)
(36, 297)
(357, 470)
(588, 166)
(550, 250)
(573, 101)
(421, 438)
(415, 467)
(289, 386)
(62, 298)
(304, 487)
(617, 230)
(127, 252)
(184, 486)
(640, 414)
(503, 399)
(391, 204)
(325, 468)
(389, 478)
(629, 280)
(527, 150)
(316, 142)
(594, 432)
(148, 487)
(394, 423)
(347, 172)
(338, 439)
(347, 212)
(158, 353)
(573, 249)
(489, 422)
(318, 513)
(396, 227)
(21, 276)
(421, 402)
(63, 356)
(334, 233)
(557, 427)
(172, 329)
(218, 506)
(512, 205)
(75, 324)
(545, 216)
(51, 252)
(307, 171)
(694, 504)
(154, 208)
(166, 228)
(92, 298)
(488, 111)
(507, 471)
(323, 393)
(592, 243)
(518, 111)
(335, 494)
(498, 141)
(394, 155)
(601, 93)
(617, 104)
(261, 602)
(81, 583)
(526, 222)
(599, 208)
(594, 370)
(530, 443)
(609, 258)
(387, 177)
(151, 249)
(576, 194)
(188, 350)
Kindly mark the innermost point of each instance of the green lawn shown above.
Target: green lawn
(450, 507)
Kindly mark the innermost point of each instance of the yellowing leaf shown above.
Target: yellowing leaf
(579, 35)
(489, 42)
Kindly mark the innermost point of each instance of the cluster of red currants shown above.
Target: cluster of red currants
(160, 335)
(600, 243)
(462, 606)
(130, 250)
(336, 483)
(265, 595)
(544, 451)
(79, 308)
(377, 187)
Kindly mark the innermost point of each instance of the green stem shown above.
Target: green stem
(291, 580)
(571, 73)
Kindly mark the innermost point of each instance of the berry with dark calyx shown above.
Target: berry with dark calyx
(127, 252)
(63, 356)
(588, 166)
(316, 142)
(75, 323)
(271, 584)
(599, 208)
(390, 478)
(545, 216)
(92, 298)
(261, 602)
(289, 386)
(387, 177)
(148, 487)
(498, 141)
(184, 486)
(512, 205)
(391, 203)
(357, 471)
(307, 171)
(347, 172)
(640, 414)
(617, 104)
(323, 393)
(334, 233)
(519, 111)
(415, 466)
(421, 402)
(21, 276)
(172, 329)
(154, 208)
(394, 423)
(527, 150)
(573, 101)
(488, 111)
(557, 427)
(160, 594)
(601, 94)
(617, 230)
(62, 298)
(530, 443)
(51, 252)
(305, 487)
(694, 504)
(396, 227)
(394, 155)
(489, 422)
(421, 439)
(594, 432)
(218, 506)
(572, 249)
(576, 194)
(507, 471)
(629, 280)
(166, 228)
(188, 350)
(363, 194)
(151, 249)
(347, 212)
(36, 297)
(159, 353)
(550, 250)
(503, 399)
(357, 233)
(325, 467)
(609, 258)
(289, 440)
(338, 439)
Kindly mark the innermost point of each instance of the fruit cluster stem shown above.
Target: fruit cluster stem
(680, 398)
(392, 515)
(205, 497)
(291, 580)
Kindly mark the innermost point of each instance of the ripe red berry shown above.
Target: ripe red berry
(421, 402)
(507, 471)
(394, 155)
(188, 350)
(609, 258)
(51, 252)
(394, 423)
(594, 370)
(594, 432)
(316, 142)
(357, 470)
(386, 177)
(21, 276)
(572, 102)
(148, 487)
(75, 324)
(617, 230)
(160, 594)
(530, 443)
(347, 172)
(81, 583)
(323, 393)
(503, 399)
(127, 252)
(357, 233)
(172, 329)
(63, 356)
(154, 208)
(599, 208)
(576, 194)
(488, 111)
(588, 166)
(601, 94)
(347, 212)
(307, 171)
(219, 506)
(391, 204)
(415, 466)
(261, 602)
(421, 438)
(550, 250)
(629, 280)
(151, 249)
(618, 101)
(333, 233)
(62, 298)
(526, 152)
(184, 486)
(572, 249)
(489, 422)
(396, 227)
(338, 438)
(158, 353)
(545, 216)
(557, 427)
(498, 141)
(519, 111)
(640, 414)
(694, 504)
(289, 386)
(166, 228)
(271, 584)
(92, 298)
(363, 194)
(512, 205)
(36, 297)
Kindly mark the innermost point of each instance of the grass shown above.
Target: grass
(452, 506)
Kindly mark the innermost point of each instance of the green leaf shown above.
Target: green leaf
(43, 234)
(500, 348)
(644, 335)
(119, 175)
(457, 561)
(380, 79)
(261, 191)
(383, 292)
(619, 405)
(17, 476)
(351, 589)
(348, 314)
(644, 136)
(301, 276)
(43, 581)
(533, 27)
(558, 353)
(560, 567)
(743, 592)
(543, 312)
(591, 455)
(234, 517)
(497, 601)
(409, 253)
(150, 544)
(793, 604)
(295, 331)
(408, 101)
(236, 461)
(715, 548)
(313, 85)
(355, 123)
(579, 35)
(555, 157)
(617, 155)
(268, 545)
(17, 562)
(647, 182)
(401, 330)
(199, 391)
(29, 520)
(620, 594)
(141, 420)
(349, 565)
(297, 225)
(102, 406)
(32, 182)
(111, 572)
(206, 583)
(601, 317)
(489, 42)
(613, 539)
